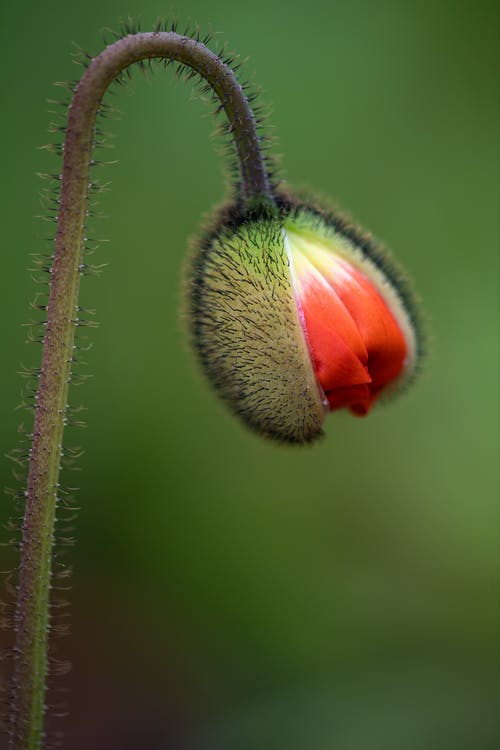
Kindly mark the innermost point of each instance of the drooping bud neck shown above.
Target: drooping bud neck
(252, 187)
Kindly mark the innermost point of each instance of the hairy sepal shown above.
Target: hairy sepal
(247, 331)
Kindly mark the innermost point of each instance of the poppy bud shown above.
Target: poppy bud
(296, 314)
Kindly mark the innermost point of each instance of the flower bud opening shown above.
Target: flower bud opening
(360, 338)
(298, 314)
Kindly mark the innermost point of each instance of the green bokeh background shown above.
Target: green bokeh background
(230, 594)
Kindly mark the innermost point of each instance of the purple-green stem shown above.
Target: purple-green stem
(32, 617)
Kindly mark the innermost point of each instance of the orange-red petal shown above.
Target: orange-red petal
(356, 344)
(377, 326)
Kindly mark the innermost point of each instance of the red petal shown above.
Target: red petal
(358, 398)
(356, 343)
(381, 333)
(337, 348)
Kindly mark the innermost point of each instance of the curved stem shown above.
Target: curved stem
(32, 619)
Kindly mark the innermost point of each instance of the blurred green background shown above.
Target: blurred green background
(230, 594)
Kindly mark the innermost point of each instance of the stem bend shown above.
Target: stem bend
(32, 621)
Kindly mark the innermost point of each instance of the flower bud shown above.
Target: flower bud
(296, 314)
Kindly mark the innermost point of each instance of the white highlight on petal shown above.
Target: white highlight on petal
(295, 277)
(328, 255)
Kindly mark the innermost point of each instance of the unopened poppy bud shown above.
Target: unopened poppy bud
(298, 314)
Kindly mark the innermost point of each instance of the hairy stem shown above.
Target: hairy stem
(32, 619)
